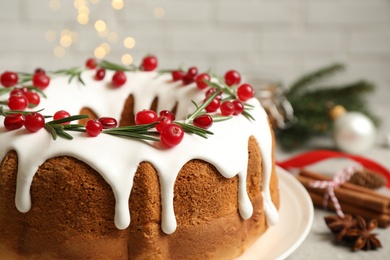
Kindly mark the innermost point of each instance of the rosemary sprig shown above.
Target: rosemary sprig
(199, 109)
(135, 132)
(74, 72)
(57, 128)
(191, 129)
(113, 66)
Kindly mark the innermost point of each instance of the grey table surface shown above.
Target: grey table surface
(319, 244)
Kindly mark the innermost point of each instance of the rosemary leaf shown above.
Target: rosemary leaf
(218, 118)
(131, 135)
(51, 130)
(68, 119)
(248, 115)
(112, 66)
(199, 109)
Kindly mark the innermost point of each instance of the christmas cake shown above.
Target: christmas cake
(192, 178)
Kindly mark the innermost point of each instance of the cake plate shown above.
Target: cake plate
(295, 221)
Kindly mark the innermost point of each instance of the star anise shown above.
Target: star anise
(340, 226)
(364, 239)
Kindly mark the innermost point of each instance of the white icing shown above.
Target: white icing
(226, 149)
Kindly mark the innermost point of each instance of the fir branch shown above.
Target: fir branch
(312, 77)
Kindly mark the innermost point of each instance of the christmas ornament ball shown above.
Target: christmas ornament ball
(354, 132)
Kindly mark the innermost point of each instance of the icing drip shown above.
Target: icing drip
(122, 156)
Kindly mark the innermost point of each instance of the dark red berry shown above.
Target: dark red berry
(149, 63)
(232, 77)
(17, 91)
(238, 107)
(41, 80)
(17, 102)
(188, 79)
(145, 117)
(60, 115)
(108, 122)
(227, 108)
(245, 92)
(192, 71)
(177, 75)
(33, 99)
(39, 70)
(13, 121)
(162, 122)
(34, 122)
(118, 79)
(168, 114)
(171, 135)
(213, 106)
(204, 121)
(200, 80)
(100, 74)
(93, 128)
(211, 91)
(91, 63)
(9, 79)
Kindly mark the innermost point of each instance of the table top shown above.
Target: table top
(320, 243)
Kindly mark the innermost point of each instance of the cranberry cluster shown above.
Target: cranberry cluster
(22, 97)
(171, 134)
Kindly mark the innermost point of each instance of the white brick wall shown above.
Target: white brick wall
(264, 39)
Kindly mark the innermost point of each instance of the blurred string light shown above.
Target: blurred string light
(66, 38)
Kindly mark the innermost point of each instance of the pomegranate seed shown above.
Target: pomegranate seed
(108, 122)
(204, 121)
(168, 114)
(145, 117)
(100, 74)
(17, 102)
(34, 122)
(13, 121)
(118, 79)
(163, 121)
(91, 63)
(149, 63)
(227, 108)
(60, 115)
(41, 80)
(177, 75)
(213, 106)
(9, 79)
(232, 77)
(33, 99)
(200, 80)
(238, 107)
(171, 135)
(93, 128)
(245, 92)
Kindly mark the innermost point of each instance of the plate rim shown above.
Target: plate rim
(288, 180)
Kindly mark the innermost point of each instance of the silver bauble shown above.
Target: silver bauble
(354, 132)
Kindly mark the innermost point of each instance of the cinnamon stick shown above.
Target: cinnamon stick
(353, 197)
(383, 219)
(347, 185)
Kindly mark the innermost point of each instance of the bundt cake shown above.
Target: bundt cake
(123, 194)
